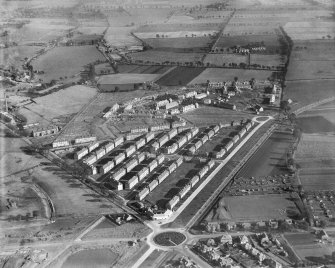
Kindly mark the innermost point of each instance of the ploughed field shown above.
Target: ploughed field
(179, 76)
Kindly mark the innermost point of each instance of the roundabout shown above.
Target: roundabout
(169, 239)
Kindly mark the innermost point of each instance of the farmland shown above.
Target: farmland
(224, 59)
(183, 44)
(269, 41)
(65, 63)
(160, 57)
(179, 76)
(15, 55)
(246, 208)
(63, 102)
(142, 69)
(315, 156)
(270, 158)
(304, 92)
(219, 74)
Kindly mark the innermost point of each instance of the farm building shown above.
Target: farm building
(124, 82)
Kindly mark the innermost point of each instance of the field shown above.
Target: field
(315, 156)
(309, 30)
(309, 70)
(40, 30)
(66, 101)
(181, 27)
(110, 230)
(85, 122)
(247, 208)
(115, 254)
(220, 74)
(151, 56)
(120, 36)
(224, 59)
(183, 44)
(14, 56)
(65, 62)
(308, 249)
(303, 92)
(142, 69)
(270, 41)
(103, 68)
(179, 76)
(205, 115)
(267, 60)
(93, 257)
(269, 160)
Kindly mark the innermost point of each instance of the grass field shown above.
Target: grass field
(309, 70)
(270, 41)
(115, 254)
(91, 257)
(246, 208)
(152, 56)
(142, 69)
(220, 74)
(15, 55)
(267, 60)
(205, 115)
(309, 30)
(224, 59)
(183, 44)
(108, 229)
(181, 27)
(66, 101)
(305, 92)
(65, 62)
(179, 76)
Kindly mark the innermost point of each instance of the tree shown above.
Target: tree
(157, 35)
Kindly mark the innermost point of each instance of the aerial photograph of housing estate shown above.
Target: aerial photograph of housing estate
(167, 133)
